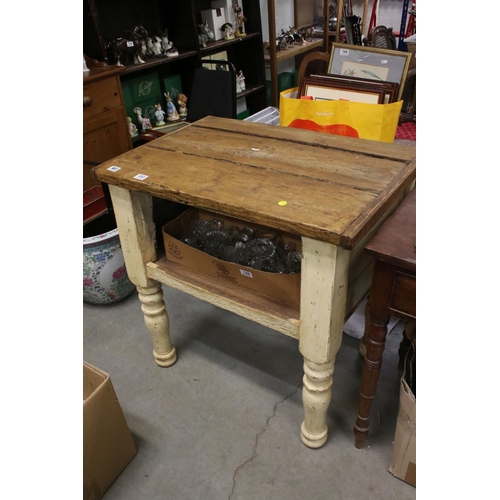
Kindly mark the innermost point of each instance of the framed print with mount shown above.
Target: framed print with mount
(328, 90)
(390, 88)
(371, 63)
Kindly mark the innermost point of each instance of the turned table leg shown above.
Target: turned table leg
(362, 343)
(380, 296)
(322, 314)
(134, 219)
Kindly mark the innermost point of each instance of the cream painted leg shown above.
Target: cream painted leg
(134, 219)
(316, 396)
(156, 319)
(322, 313)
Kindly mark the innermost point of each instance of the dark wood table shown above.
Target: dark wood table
(393, 292)
(332, 191)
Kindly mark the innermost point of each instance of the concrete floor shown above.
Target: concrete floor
(223, 423)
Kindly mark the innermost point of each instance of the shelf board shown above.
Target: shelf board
(222, 44)
(158, 61)
(268, 312)
(282, 55)
(250, 89)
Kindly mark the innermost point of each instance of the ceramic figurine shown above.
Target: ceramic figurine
(202, 39)
(172, 52)
(240, 19)
(227, 28)
(240, 80)
(144, 49)
(129, 49)
(132, 128)
(145, 122)
(160, 115)
(157, 48)
(172, 114)
(205, 34)
(205, 30)
(149, 46)
(182, 101)
(166, 44)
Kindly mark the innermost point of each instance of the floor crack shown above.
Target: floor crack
(258, 436)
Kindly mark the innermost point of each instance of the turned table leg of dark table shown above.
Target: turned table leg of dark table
(379, 301)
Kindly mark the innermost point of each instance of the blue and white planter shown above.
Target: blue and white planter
(105, 279)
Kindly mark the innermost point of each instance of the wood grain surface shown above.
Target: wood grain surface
(335, 188)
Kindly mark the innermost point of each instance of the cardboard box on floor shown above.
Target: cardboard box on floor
(404, 459)
(108, 446)
(283, 287)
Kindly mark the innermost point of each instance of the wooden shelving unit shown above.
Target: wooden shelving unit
(274, 57)
(106, 20)
(282, 55)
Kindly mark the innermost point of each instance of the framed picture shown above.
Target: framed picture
(324, 89)
(370, 62)
(390, 88)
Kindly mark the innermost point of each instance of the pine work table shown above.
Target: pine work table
(337, 190)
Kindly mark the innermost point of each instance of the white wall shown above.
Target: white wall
(284, 16)
(389, 14)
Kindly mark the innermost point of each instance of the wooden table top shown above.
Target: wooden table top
(395, 241)
(335, 187)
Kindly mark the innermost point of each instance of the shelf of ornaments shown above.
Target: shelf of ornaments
(215, 46)
(160, 61)
(283, 54)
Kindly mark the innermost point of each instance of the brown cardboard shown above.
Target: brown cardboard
(108, 446)
(404, 459)
(284, 287)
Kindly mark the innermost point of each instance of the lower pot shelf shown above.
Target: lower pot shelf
(251, 305)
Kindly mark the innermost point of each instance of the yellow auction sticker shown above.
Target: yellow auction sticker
(282, 203)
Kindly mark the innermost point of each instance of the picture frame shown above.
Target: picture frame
(328, 90)
(370, 62)
(390, 88)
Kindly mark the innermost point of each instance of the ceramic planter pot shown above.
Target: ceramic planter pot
(105, 279)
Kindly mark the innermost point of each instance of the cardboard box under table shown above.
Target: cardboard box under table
(273, 286)
(108, 446)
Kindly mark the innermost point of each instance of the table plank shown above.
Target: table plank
(335, 187)
(375, 149)
(344, 167)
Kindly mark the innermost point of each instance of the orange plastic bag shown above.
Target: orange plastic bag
(377, 122)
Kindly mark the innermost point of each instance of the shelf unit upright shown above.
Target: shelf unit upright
(274, 57)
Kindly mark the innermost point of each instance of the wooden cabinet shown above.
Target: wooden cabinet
(106, 20)
(105, 129)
